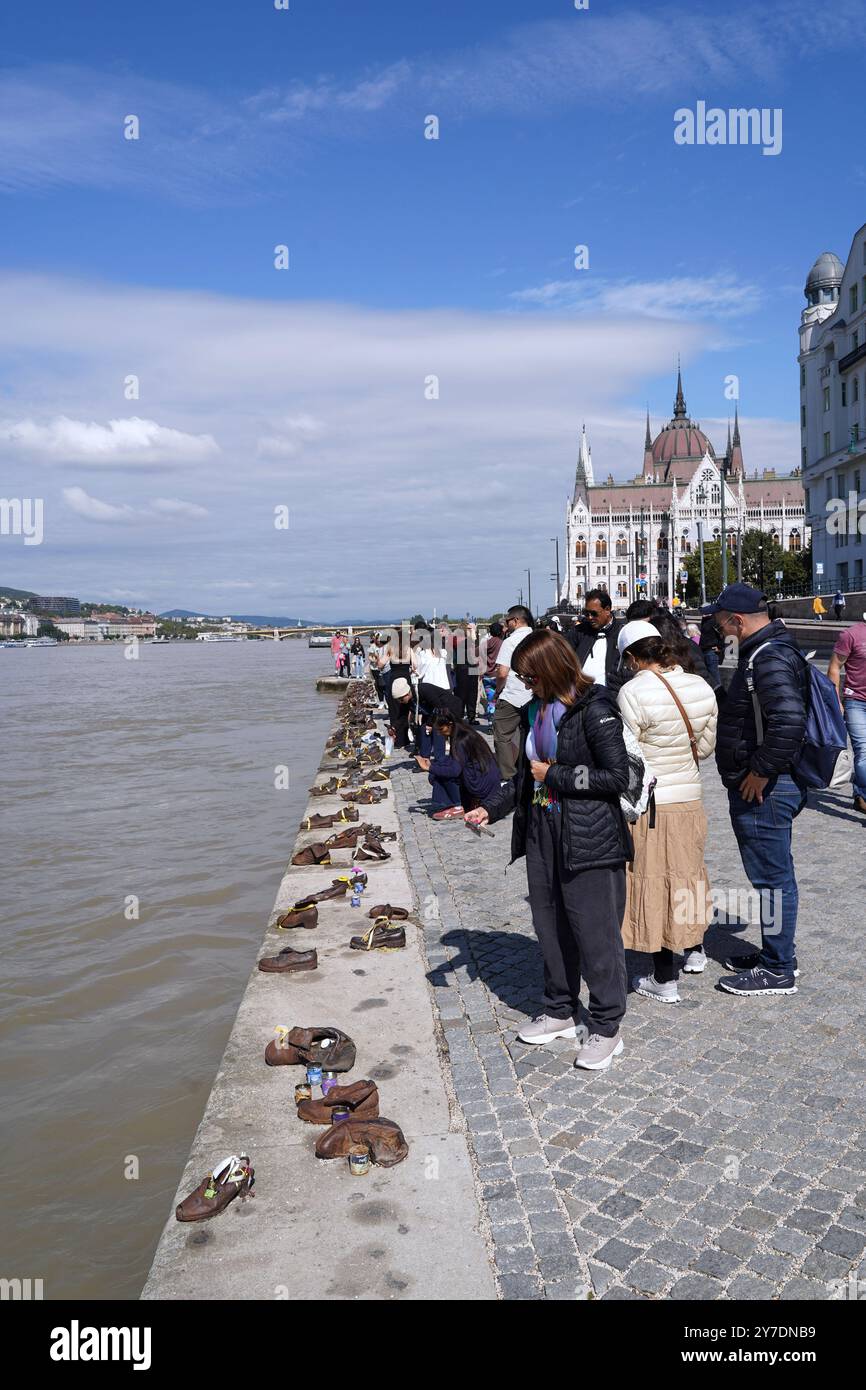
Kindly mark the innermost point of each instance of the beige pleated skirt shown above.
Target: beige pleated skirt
(668, 892)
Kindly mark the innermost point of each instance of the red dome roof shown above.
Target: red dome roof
(681, 440)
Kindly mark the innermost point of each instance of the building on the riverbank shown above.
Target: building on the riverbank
(632, 538)
(832, 367)
(14, 622)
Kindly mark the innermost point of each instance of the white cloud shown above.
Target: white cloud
(683, 297)
(123, 441)
(161, 508)
(395, 501)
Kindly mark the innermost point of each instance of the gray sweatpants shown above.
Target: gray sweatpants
(577, 916)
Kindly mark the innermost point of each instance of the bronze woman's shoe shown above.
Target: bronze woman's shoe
(362, 1098)
(365, 796)
(400, 914)
(380, 937)
(312, 854)
(369, 850)
(379, 774)
(298, 917)
(328, 788)
(343, 839)
(384, 1140)
(328, 1048)
(337, 890)
(289, 962)
(232, 1178)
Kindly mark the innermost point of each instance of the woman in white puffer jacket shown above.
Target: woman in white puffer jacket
(672, 713)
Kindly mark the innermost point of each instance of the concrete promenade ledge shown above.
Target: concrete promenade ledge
(412, 1232)
(723, 1156)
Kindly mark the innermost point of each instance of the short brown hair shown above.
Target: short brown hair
(554, 661)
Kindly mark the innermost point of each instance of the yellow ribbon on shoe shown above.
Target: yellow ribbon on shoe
(282, 1033)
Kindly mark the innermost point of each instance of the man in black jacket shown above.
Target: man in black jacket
(594, 640)
(761, 728)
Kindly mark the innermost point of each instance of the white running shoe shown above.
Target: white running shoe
(544, 1029)
(598, 1052)
(649, 987)
(695, 962)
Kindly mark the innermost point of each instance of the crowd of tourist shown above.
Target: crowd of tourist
(596, 731)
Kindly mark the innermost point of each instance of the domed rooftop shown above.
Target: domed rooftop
(680, 439)
(825, 275)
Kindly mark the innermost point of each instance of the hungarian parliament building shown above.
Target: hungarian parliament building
(632, 539)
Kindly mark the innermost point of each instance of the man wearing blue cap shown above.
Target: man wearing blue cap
(761, 728)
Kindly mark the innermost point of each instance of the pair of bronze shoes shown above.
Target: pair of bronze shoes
(338, 889)
(307, 917)
(383, 1140)
(365, 796)
(312, 854)
(381, 936)
(234, 1177)
(325, 1047)
(328, 788)
(360, 1097)
(342, 817)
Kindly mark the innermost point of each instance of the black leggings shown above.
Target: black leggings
(667, 964)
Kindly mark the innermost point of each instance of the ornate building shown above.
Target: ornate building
(632, 538)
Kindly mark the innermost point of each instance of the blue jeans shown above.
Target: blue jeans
(711, 660)
(855, 718)
(764, 838)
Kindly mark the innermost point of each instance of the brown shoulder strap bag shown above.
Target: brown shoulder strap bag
(688, 723)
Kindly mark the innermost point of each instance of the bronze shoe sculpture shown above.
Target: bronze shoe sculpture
(361, 1097)
(337, 890)
(312, 854)
(328, 1048)
(380, 937)
(369, 850)
(400, 914)
(307, 917)
(384, 1140)
(234, 1177)
(289, 962)
(324, 822)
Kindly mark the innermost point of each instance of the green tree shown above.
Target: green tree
(761, 558)
(47, 629)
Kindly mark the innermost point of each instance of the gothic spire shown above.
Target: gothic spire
(679, 403)
(649, 439)
(583, 476)
(736, 427)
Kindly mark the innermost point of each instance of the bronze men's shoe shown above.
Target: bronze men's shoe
(328, 1048)
(289, 962)
(232, 1178)
(379, 774)
(301, 917)
(366, 796)
(362, 1098)
(343, 839)
(384, 1140)
(332, 785)
(337, 890)
(380, 937)
(312, 854)
(400, 914)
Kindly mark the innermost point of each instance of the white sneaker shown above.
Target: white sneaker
(544, 1029)
(695, 962)
(649, 987)
(597, 1052)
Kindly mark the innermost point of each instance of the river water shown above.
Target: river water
(151, 779)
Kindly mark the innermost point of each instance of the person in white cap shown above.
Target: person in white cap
(673, 715)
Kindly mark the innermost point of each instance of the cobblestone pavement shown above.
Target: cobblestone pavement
(723, 1155)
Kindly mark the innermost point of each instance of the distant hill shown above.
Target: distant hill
(17, 593)
(257, 618)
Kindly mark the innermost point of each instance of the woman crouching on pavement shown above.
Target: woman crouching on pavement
(463, 770)
(565, 795)
(672, 714)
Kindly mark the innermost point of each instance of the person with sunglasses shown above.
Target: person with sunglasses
(572, 768)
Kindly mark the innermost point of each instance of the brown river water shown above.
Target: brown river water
(154, 778)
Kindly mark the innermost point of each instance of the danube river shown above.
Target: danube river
(122, 780)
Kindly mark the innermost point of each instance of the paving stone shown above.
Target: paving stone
(696, 1287)
(838, 1241)
(620, 1206)
(647, 1277)
(672, 1254)
(749, 1289)
(618, 1254)
(790, 1241)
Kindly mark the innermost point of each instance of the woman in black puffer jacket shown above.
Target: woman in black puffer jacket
(568, 822)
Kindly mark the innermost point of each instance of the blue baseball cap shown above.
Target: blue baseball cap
(737, 598)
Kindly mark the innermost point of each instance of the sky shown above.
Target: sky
(409, 391)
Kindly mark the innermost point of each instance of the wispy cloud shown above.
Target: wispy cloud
(63, 125)
(111, 513)
(682, 297)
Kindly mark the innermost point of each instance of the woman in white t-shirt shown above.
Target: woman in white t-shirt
(430, 669)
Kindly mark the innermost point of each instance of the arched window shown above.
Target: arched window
(621, 545)
(717, 495)
(580, 548)
(795, 540)
(662, 543)
(601, 548)
(774, 537)
(685, 544)
(622, 589)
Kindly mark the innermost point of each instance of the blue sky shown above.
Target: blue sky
(409, 257)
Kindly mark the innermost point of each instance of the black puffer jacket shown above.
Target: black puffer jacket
(590, 740)
(780, 678)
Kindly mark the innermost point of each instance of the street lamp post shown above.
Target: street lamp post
(529, 591)
(555, 540)
(761, 566)
(724, 474)
(703, 571)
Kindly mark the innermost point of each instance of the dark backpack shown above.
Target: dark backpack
(823, 760)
